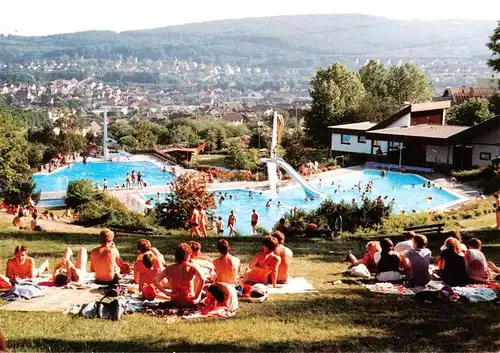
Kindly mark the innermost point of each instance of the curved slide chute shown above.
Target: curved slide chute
(308, 189)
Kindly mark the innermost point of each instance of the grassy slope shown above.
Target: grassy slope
(339, 317)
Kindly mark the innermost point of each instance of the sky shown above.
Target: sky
(42, 17)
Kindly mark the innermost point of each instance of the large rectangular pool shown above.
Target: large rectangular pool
(407, 190)
(113, 172)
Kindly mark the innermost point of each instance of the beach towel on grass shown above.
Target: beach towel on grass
(23, 290)
(295, 285)
(389, 288)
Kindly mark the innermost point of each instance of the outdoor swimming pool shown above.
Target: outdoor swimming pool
(395, 185)
(114, 172)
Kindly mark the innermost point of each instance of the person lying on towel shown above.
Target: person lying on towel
(221, 300)
(22, 266)
(66, 271)
(185, 279)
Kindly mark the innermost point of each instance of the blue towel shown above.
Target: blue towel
(23, 290)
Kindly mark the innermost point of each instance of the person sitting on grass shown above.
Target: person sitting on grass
(18, 221)
(185, 280)
(105, 260)
(22, 266)
(403, 246)
(285, 255)
(226, 265)
(478, 269)
(388, 263)
(35, 224)
(452, 264)
(221, 300)
(66, 271)
(368, 258)
(264, 266)
(417, 261)
(455, 234)
(148, 264)
(204, 262)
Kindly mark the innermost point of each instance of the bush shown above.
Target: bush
(367, 215)
(189, 190)
(473, 174)
(79, 192)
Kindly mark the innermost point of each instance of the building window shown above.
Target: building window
(361, 139)
(393, 145)
(485, 156)
(345, 139)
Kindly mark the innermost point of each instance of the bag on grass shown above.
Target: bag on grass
(102, 310)
(360, 271)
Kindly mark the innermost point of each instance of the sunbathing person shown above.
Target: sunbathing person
(22, 266)
(285, 255)
(264, 266)
(203, 262)
(403, 246)
(18, 221)
(66, 271)
(185, 280)
(368, 258)
(388, 263)
(417, 261)
(105, 260)
(475, 263)
(148, 265)
(226, 265)
(453, 264)
(221, 300)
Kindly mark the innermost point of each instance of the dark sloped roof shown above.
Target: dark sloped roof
(487, 125)
(385, 123)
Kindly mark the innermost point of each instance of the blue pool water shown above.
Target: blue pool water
(394, 185)
(114, 172)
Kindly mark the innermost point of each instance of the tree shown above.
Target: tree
(407, 83)
(189, 190)
(16, 182)
(145, 133)
(335, 91)
(240, 157)
(129, 141)
(374, 108)
(294, 145)
(494, 46)
(374, 77)
(79, 193)
(495, 104)
(469, 113)
(70, 138)
(211, 139)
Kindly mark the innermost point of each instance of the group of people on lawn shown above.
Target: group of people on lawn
(457, 265)
(181, 283)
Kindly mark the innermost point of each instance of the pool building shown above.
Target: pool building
(417, 135)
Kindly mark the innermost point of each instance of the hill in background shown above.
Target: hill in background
(293, 41)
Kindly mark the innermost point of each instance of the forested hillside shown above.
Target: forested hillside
(285, 40)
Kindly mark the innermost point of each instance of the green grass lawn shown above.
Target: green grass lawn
(337, 318)
(212, 160)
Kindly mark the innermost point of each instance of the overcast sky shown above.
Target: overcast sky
(40, 17)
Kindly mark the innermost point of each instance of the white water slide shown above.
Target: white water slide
(308, 189)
